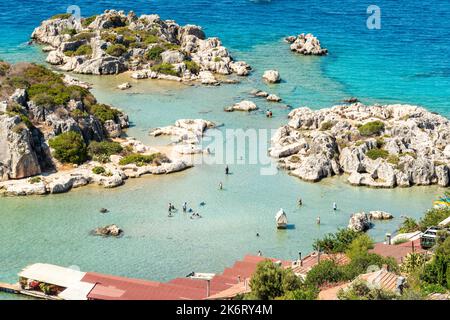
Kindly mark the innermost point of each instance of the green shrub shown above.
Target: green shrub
(271, 281)
(193, 67)
(408, 225)
(165, 68)
(376, 153)
(69, 31)
(69, 147)
(360, 290)
(83, 50)
(359, 246)
(108, 37)
(154, 53)
(61, 16)
(171, 46)
(149, 39)
(84, 36)
(336, 242)
(371, 128)
(116, 50)
(393, 159)
(327, 125)
(98, 170)
(361, 263)
(87, 21)
(4, 68)
(432, 217)
(40, 74)
(412, 262)
(140, 159)
(217, 59)
(101, 151)
(34, 180)
(327, 271)
(104, 112)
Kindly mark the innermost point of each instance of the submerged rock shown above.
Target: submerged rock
(107, 231)
(124, 86)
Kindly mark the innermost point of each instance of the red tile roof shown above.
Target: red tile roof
(312, 260)
(397, 251)
(119, 288)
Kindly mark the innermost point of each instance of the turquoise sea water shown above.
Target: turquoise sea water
(406, 61)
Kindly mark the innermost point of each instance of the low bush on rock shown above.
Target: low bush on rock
(154, 53)
(104, 112)
(98, 170)
(376, 153)
(371, 128)
(83, 50)
(165, 68)
(69, 147)
(192, 66)
(101, 151)
(116, 50)
(141, 160)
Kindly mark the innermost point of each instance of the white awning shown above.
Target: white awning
(56, 275)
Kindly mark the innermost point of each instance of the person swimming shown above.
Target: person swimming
(300, 202)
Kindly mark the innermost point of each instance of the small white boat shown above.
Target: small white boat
(281, 219)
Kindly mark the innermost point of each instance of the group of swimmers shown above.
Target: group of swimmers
(269, 113)
(300, 203)
(185, 210)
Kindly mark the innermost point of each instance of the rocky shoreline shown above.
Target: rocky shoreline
(55, 136)
(377, 146)
(149, 47)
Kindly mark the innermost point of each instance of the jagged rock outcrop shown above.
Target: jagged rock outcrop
(306, 44)
(114, 42)
(378, 146)
(242, 106)
(271, 76)
(359, 222)
(28, 121)
(18, 158)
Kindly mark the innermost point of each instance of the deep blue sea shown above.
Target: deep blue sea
(407, 60)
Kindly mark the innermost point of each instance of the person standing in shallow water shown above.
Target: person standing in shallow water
(227, 170)
(334, 206)
(220, 186)
(184, 207)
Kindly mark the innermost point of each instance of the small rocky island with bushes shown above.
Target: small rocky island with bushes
(147, 46)
(55, 136)
(377, 146)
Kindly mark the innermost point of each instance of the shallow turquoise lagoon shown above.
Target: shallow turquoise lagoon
(405, 61)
